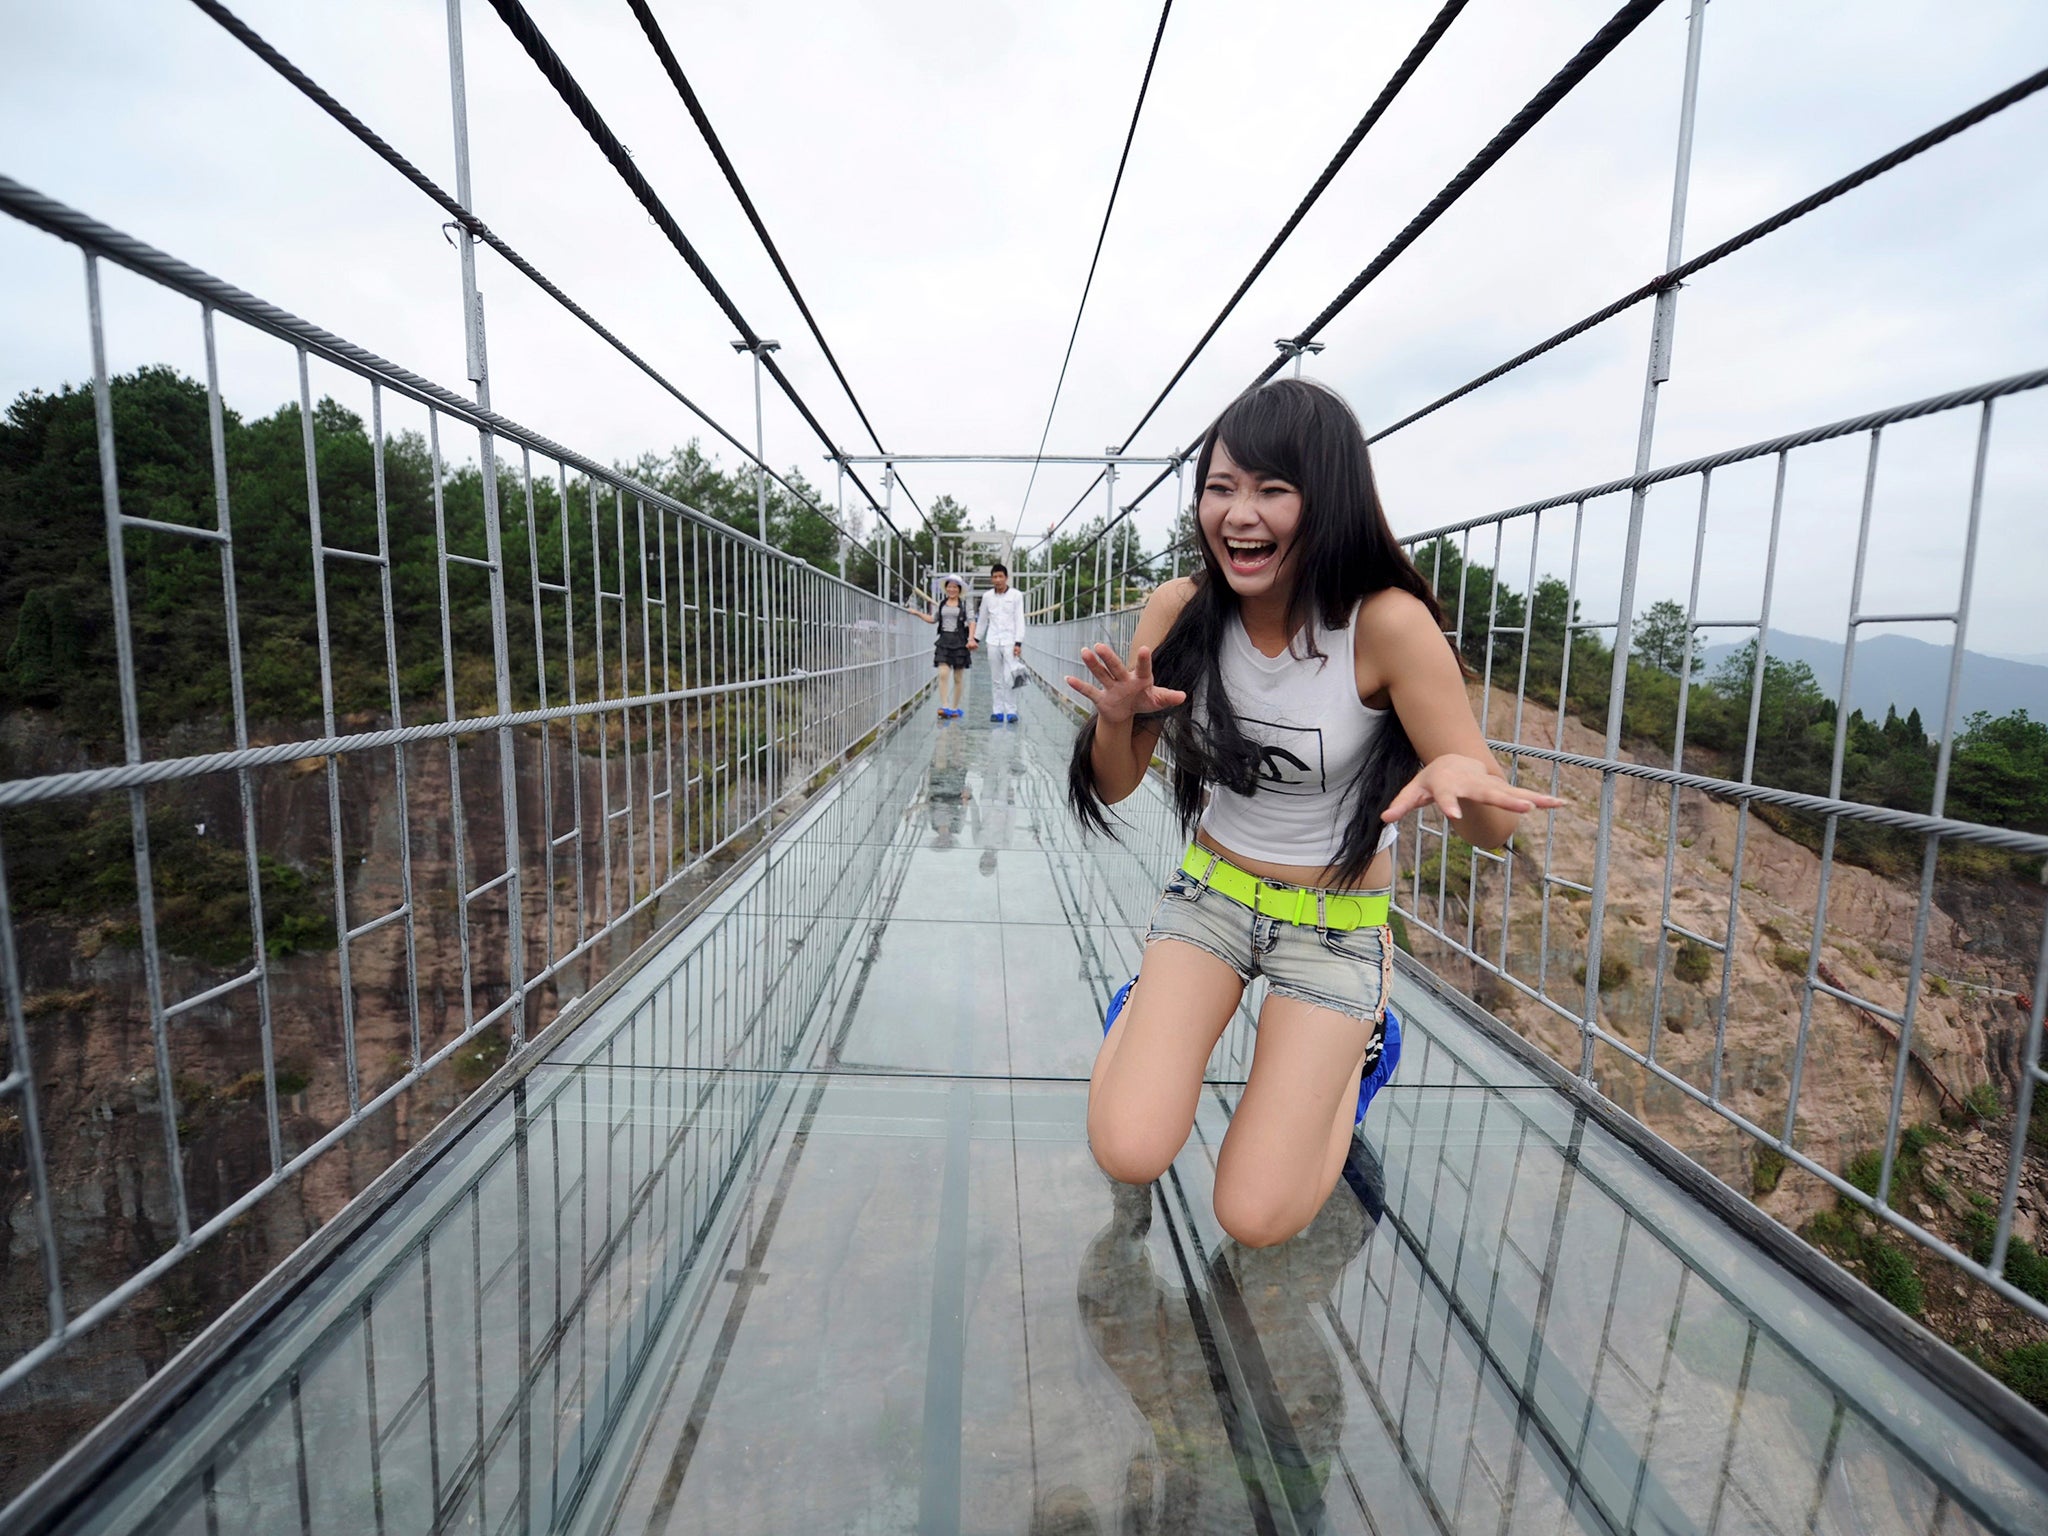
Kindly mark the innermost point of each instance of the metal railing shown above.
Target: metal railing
(653, 686)
(474, 1357)
(1490, 880)
(1506, 918)
(1476, 909)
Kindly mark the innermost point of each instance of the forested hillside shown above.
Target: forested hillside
(1998, 773)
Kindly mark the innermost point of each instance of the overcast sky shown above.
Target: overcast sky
(935, 173)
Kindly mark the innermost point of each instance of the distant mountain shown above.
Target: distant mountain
(1907, 674)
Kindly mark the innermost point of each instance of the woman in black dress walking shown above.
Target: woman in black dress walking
(952, 650)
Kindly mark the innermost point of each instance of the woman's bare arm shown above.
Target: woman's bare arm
(1123, 748)
(1402, 653)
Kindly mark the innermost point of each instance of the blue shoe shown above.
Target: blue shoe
(1116, 1004)
(997, 718)
(1383, 1069)
(1011, 718)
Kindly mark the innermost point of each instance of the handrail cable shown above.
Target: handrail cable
(659, 40)
(1116, 185)
(1939, 134)
(1969, 118)
(243, 33)
(1560, 85)
(89, 234)
(580, 106)
(1431, 34)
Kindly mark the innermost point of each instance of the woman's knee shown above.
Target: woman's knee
(1256, 1218)
(1131, 1154)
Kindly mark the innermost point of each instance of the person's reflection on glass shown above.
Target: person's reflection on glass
(945, 785)
(996, 818)
(1190, 1478)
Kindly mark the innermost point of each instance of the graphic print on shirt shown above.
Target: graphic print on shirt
(1290, 757)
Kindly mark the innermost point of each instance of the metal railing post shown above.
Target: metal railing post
(1180, 505)
(501, 655)
(839, 511)
(1655, 373)
(1293, 349)
(760, 442)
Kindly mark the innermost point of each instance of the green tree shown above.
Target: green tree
(1661, 638)
(1999, 771)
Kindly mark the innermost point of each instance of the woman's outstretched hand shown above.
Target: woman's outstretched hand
(1453, 782)
(1120, 692)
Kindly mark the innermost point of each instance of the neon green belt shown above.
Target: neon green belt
(1290, 903)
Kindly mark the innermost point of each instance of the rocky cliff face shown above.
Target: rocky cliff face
(1981, 943)
(100, 1088)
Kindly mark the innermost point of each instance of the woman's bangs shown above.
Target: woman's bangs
(1261, 436)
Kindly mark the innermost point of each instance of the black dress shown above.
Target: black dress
(950, 649)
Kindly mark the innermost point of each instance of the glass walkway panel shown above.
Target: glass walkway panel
(800, 1232)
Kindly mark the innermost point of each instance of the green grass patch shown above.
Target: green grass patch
(1983, 1102)
(1765, 1169)
(1614, 972)
(1694, 962)
(2025, 1266)
(1789, 957)
(2025, 1370)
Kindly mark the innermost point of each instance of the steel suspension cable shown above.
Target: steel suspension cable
(1396, 82)
(674, 70)
(1938, 134)
(243, 33)
(580, 106)
(1560, 85)
(1116, 185)
(1431, 35)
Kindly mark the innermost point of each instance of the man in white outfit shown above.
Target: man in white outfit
(1000, 626)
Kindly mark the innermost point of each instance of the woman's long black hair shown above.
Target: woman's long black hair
(1343, 551)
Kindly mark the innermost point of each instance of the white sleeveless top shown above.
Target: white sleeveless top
(1303, 714)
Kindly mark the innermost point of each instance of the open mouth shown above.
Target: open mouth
(1249, 556)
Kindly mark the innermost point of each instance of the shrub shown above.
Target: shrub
(1765, 1170)
(1983, 1101)
(1789, 957)
(2025, 1370)
(1614, 972)
(1864, 1170)
(1694, 962)
(1893, 1276)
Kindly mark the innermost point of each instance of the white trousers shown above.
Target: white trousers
(1004, 696)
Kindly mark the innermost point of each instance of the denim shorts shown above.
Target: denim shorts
(1345, 969)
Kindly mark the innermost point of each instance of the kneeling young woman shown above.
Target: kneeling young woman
(1307, 700)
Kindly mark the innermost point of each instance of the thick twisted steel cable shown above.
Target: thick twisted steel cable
(1431, 34)
(659, 41)
(1610, 37)
(681, 82)
(46, 213)
(1939, 134)
(1115, 186)
(1560, 85)
(580, 106)
(1850, 426)
(243, 33)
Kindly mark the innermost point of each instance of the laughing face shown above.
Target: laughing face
(1250, 522)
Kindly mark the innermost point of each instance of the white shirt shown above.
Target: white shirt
(1002, 617)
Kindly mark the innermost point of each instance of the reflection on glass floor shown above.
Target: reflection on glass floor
(800, 1233)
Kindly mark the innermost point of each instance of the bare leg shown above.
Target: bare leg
(1148, 1076)
(1281, 1156)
